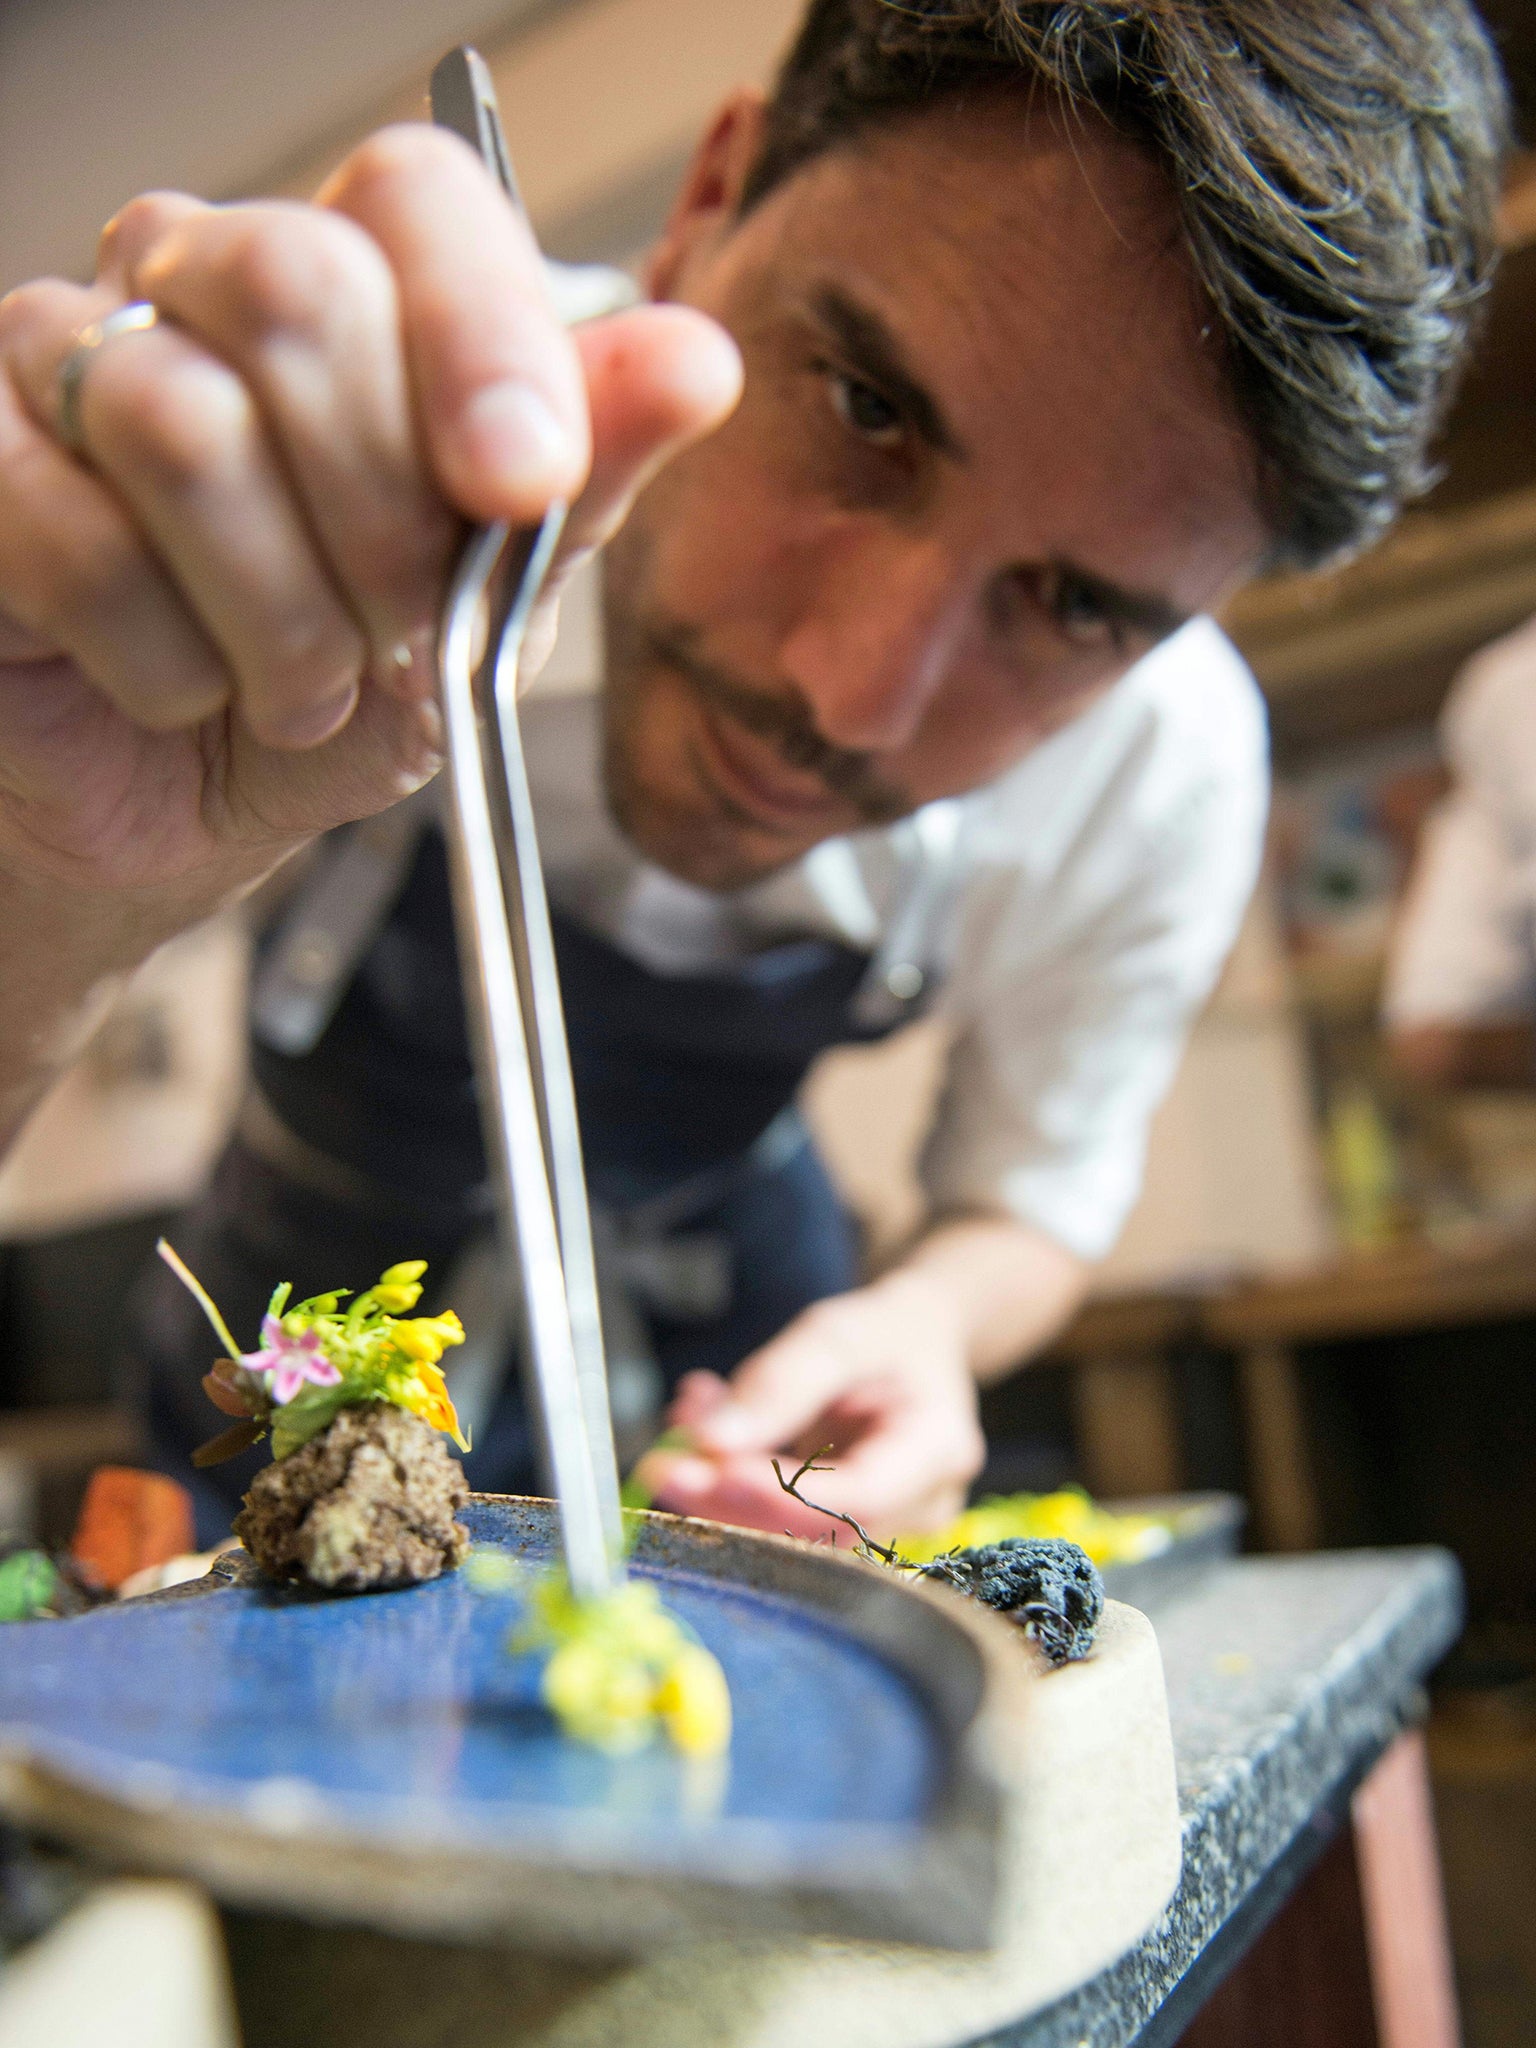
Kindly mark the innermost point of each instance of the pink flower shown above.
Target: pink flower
(290, 1360)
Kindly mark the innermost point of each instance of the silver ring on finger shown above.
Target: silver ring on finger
(136, 318)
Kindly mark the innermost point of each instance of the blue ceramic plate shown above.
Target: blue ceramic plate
(385, 1757)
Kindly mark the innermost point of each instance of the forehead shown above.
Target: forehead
(1032, 265)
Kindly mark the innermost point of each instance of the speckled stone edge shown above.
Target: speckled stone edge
(1242, 1822)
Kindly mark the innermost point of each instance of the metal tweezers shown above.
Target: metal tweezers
(512, 990)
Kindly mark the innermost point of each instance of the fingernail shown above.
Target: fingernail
(687, 1475)
(728, 1428)
(316, 722)
(511, 430)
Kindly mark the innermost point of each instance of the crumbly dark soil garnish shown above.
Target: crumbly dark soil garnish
(1044, 1583)
(367, 1503)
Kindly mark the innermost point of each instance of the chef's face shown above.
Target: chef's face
(985, 458)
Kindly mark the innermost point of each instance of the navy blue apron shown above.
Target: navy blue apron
(367, 1149)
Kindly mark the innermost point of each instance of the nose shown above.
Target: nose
(879, 633)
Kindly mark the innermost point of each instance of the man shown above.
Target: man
(1461, 982)
(1051, 324)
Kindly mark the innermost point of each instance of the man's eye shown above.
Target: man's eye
(1079, 609)
(867, 411)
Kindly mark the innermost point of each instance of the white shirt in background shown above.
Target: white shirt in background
(1069, 919)
(1464, 950)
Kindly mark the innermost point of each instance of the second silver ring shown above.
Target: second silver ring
(136, 318)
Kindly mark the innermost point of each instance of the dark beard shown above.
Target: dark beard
(784, 721)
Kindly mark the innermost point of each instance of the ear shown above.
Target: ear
(711, 191)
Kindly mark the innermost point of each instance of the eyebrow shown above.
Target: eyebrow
(1142, 610)
(873, 350)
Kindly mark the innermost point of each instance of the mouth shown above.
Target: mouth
(754, 782)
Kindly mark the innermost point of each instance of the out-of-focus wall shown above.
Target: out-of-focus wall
(603, 102)
(99, 100)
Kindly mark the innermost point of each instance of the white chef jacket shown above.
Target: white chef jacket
(1464, 950)
(1068, 919)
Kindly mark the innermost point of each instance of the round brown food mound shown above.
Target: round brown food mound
(369, 1502)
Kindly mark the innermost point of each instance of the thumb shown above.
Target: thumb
(779, 1392)
(658, 378)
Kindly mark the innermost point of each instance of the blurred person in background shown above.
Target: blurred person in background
(1034, 330)
(1460, 1000)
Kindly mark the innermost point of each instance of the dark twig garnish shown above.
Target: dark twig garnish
(1043, 1583)
(866, 1545)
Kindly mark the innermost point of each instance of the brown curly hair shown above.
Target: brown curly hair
(1337, 167)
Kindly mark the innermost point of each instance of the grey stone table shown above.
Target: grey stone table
(1308, 1888)
(1289, 1680)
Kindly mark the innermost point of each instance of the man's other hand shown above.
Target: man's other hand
(878, 1379)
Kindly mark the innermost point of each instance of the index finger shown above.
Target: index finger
(497, 383)
(779, 1391)
(741, 1491)
(886, 1484)
(891, 1477)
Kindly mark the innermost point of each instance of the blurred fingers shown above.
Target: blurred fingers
(301, 304)
(916, 1462)
(277, 472)
(76, 573)
(697, 1394)
(658, 378)
(499, 391)
(779, 1392)
(741, 1490)
(134, 230)
(179, 440)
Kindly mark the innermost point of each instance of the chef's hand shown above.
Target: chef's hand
(216, 619)
(879, 1378)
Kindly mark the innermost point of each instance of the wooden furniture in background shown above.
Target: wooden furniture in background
(1124, 1406)
(1359, 1955)
(1125, 1397)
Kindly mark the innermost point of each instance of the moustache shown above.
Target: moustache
(785, 721)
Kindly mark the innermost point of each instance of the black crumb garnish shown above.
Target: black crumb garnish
(1046, 1584)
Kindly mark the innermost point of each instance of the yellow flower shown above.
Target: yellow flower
(418, 1341)
(425, 1393)
(620, 1665)
(395, 1300)
(399, 1288)
(428, 1336)
(695, 1703)
(1107, 1537)
(599, 1697)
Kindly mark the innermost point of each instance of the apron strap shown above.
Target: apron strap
(330, 922)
